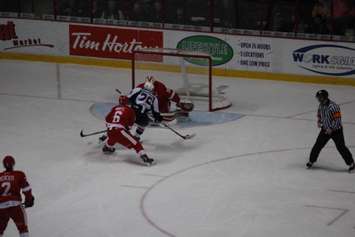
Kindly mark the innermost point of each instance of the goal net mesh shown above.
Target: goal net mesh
(189, 73)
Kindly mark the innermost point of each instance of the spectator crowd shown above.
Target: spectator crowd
(300, 16)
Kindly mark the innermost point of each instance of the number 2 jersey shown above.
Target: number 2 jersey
(144, 101)
(11, 184)
(120, 117)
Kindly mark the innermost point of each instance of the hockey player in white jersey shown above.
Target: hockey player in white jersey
(146, 107)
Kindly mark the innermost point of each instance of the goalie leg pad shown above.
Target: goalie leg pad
(164, 106)
(168, 117)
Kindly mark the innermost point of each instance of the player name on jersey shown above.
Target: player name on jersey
(7, 178)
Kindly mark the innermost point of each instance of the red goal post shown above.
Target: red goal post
(193, 69)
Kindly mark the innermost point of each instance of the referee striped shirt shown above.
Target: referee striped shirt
(329, 116)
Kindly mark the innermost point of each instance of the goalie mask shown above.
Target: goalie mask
(150, 79)
(149, 86)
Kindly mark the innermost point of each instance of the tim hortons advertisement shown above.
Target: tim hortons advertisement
(28, 37)
(107, 42)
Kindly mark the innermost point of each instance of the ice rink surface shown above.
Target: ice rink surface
(244, 178)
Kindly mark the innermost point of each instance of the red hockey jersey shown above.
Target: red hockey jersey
(11, 184)
(163, 93)
(121, 117)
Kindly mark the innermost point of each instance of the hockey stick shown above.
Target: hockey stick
(91, 134)
(185, 137)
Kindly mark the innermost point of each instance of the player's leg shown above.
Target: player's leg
(164, 106)
(338, 138)
(322, 140)
(142, 121)
(18, 215)
(103, 138)
(129, 141)
(139, 132)
(111, 140)
(4, 220)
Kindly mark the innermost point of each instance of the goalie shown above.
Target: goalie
(165, 97)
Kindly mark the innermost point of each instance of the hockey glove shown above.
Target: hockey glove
(186, 106)
(158, 118)
(29, 202)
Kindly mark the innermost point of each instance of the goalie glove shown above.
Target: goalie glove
(157, 118)
(186, 106)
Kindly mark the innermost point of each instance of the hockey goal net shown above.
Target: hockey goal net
(189, 73)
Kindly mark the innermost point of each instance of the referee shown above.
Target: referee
(329, 121)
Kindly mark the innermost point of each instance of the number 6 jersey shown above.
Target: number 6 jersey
(120, 117)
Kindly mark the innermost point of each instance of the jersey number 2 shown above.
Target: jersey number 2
(7, 186)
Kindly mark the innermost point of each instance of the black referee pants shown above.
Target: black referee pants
(338, 138)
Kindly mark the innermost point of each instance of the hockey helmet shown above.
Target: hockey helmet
(322, 96)
(123, 100)
(322, 93)
(8, 162)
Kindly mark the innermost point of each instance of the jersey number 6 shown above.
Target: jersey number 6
(117, 117)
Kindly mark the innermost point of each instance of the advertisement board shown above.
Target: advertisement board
(35, 37)
(325, 59)
(219, 49)
(108, 42)
(229, 52)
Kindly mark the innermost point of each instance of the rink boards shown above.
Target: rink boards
(233, 55)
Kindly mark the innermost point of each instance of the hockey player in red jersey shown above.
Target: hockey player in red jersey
(119, 122)
(166, 96)
(11, 184)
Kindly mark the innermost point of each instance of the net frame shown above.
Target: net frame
(182, 54)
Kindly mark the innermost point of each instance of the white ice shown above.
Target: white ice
(244, 178)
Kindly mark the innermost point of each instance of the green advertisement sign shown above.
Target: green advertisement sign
(220, 51)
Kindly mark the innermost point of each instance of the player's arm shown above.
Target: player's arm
(130, 118)
(173, 96)
(165, 92)
(27, 192)
(132, 98)
(109, 116)
(336, 115)
(133, 95)
(319, 123)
